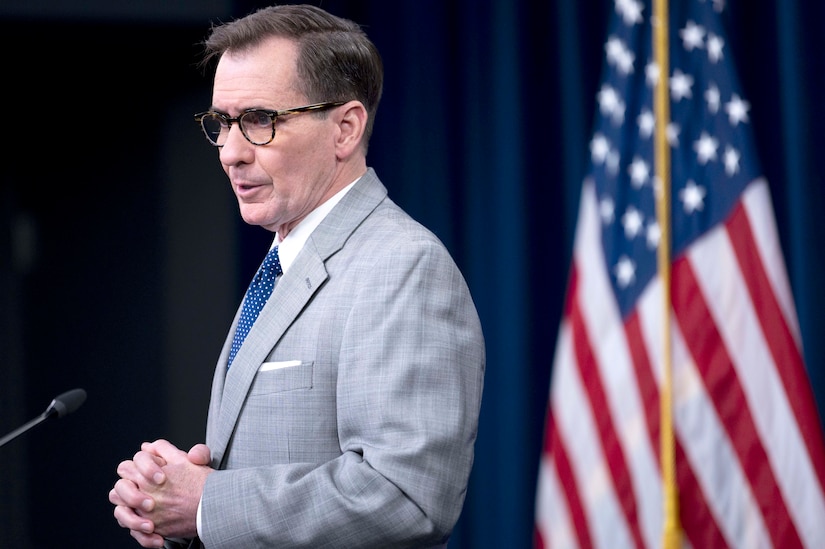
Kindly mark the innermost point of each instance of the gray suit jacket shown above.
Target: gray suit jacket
(349, 415)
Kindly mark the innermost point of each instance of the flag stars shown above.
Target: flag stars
(692, 197)
(625, 271)
(630, 11)
(613, 47)
(693, 36)
(715, 47)
(632, 221)
(599, 148)
(646, 122)
(619, 56)
(704, 195)
(601, 153)
(607, 210)
(639, 172)
(731, 159)
(705, 148)
(653, 234)
(713, 98)
(610, 103)
(680, 85)
(737, 110)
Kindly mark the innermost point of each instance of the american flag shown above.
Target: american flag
(749, 451)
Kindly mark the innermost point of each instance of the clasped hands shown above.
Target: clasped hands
(159, 490)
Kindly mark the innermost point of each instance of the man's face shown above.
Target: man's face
(279, 183)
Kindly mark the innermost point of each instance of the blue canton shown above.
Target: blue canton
(711, 148)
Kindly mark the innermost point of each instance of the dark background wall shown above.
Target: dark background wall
(122, 257)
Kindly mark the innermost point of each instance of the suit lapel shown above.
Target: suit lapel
(291, 294)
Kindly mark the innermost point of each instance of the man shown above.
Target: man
(347, 415)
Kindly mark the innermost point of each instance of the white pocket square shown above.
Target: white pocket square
(267, 366)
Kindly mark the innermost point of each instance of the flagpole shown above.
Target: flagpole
(671, 535)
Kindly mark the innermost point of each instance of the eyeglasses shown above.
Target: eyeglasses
(257, 125)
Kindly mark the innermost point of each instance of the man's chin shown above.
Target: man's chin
(251, 216)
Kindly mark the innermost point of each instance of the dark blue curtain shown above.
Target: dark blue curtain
(483, 136)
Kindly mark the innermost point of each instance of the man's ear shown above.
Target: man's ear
(352, 123)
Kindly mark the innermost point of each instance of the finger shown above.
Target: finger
(127, 518)
(127, 493)
(127, 469)
(147, 540)
(200, 454)
(114, 498)
(149, 466)
(160, 447)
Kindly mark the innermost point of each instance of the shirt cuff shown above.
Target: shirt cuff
(198, 517)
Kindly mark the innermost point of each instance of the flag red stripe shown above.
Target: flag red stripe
(538, 541)
(566, 478)
(611, 449)
(645, 380)
(722, 384)
(749, 445)
(698, 522)
(781, 342)
(699, 525)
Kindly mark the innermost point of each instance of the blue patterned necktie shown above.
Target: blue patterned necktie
(255, 299)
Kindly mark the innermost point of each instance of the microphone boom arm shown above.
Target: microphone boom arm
(23, 428)
(63, 404)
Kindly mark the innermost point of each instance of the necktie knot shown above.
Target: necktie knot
(272, 264)
(256, 296)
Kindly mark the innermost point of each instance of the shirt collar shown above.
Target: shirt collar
(290, 247)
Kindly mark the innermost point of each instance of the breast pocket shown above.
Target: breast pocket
(277, 377)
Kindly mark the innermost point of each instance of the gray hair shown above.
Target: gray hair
(336, 60)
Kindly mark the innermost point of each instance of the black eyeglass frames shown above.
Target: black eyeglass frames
(257, 125)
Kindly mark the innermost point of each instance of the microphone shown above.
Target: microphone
(61, 406)
(66, 403)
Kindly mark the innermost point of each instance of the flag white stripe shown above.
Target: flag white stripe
(696, 424)
(575, 421)
(571, 405)
(710, 454)
(705, 442)
(757, 202)
(730, 304)
(751, 418)
(618, 377)
(558, 533)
